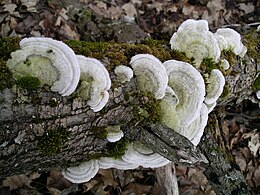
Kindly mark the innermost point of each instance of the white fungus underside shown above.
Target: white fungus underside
(82, 173)
(152, 160)
(107, 163)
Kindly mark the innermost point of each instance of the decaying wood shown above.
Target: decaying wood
(27, 116)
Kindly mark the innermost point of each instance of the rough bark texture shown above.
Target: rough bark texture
(28, 119)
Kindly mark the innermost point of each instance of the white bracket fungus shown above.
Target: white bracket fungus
(107, 163)
(196, 128)
(114, 133)
(233, 40)
(123, 73)
(189, 87)
(52, 61)
(139, 154)
(196, 41)
(82, 173)
(151, 74)
(95, 82)
(215, 86)
(224, 64)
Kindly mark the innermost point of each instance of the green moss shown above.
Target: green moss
(99, 132)
(146, 109)
(6, 77)
(229, 56)
(251, 40)
(117, 149)
(28, 82)
(52, 141)
(180, 56)
(256, 85)
(7, 46)
(208, 64)
(121, 53)
(225, 92)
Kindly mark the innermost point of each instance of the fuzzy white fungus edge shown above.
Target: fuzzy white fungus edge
(95, 82)
(233, 40)
(82, 173)
(151, 74)
(196, 41)
(123, 73)
(59, 55)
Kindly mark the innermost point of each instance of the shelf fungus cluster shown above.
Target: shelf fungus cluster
(197, 42)
(135, 156)
(55, 64)
(186, 94)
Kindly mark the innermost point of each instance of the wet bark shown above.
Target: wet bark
(27, 116)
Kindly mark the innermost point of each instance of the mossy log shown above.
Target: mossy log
(41, 130)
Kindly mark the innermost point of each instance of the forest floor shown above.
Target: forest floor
(133, 21)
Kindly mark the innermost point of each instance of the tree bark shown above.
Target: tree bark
(29, 118)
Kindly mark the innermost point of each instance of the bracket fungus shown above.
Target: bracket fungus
(107, 163)
(196, 128)
(214, 87)
(233, 41)
(151, 74)
(114, 133)
(139, 154)
(82, 173)
(123, 73)
(188, 85)
(196, 41)
(52, 61)
(95, 82)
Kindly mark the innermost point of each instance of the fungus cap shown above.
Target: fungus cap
(196, 41)
(196, 129)
(139, 154)
(123, 73)
(224, 64)
(114, 133)
(189, 87)
(82, 173)
(107, 163)
(233, 39)
(59, 55)
(151, 74)
(215, 86)
(95, 82)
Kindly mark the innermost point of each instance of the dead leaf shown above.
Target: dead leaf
(10, 7)
(135, 188)
(256, 177)
(68, 32)
(241, 162)
(107, 177)
(56, 180)
(89, 185)
(30, 5)
(54, 191)
(129, 9)
(18, 181)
